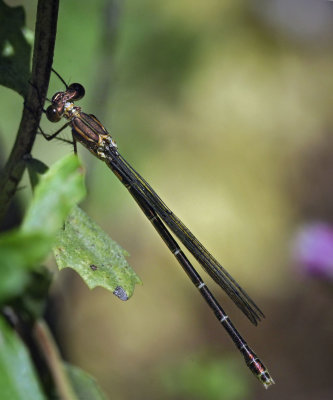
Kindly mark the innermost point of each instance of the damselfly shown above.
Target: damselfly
(89, 131)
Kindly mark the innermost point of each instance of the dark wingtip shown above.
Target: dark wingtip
(254, 316)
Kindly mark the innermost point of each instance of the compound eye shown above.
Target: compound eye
(78, 89)
(52, 114)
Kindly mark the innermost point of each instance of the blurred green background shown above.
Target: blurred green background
(225, 108)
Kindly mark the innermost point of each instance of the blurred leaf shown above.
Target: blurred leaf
(14, 49)
(83, 246)
(19, 252)
(84, 385)
(18, 380)
(60, 188)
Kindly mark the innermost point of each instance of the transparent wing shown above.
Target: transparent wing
(130, 177)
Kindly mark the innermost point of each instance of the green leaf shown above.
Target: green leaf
(60, 188)
(34, 298)
(83, 246)
(84, 385)
(18, 380)
(14, 49)
(25, 249)
(19, 253)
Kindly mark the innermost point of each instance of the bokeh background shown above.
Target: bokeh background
(225, 108)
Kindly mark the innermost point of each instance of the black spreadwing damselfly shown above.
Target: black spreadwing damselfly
(90, 132)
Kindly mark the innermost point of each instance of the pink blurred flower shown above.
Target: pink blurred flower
(313, 250)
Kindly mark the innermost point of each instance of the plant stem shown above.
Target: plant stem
(45, 35)
(53, 359)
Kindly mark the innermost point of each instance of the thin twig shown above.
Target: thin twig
(53, 359)
(45, 35)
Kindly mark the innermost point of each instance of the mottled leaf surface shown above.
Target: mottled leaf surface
(83, 246)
